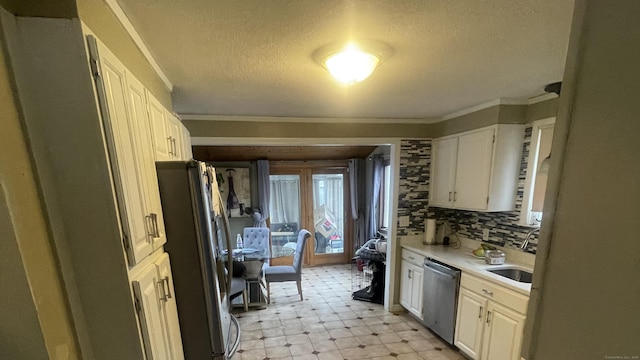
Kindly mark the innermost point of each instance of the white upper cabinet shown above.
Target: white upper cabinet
(174, 131)
(536, 182)
(138, 225)
(160, 134)
(187, 153)
(171, 140)
(145, 152)
(477, 170)
(443, 171)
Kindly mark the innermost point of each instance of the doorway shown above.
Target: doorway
(312, 196)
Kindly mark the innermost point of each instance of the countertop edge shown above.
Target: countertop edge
(462, 259)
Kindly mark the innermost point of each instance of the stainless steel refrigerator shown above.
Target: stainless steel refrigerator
(194, 224)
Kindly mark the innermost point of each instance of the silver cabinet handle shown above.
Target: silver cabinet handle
(455, 196)
(170, 147)
(487, 292)
(149, 224)
(449, 195)
(175, 147)
(163, 295)
(166, 291)
(166, 281)
(488, 317)
(409, 274)
(154, 221)
(480, 314)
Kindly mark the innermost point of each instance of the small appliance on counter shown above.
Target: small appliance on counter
(494, 257)
(429, 232)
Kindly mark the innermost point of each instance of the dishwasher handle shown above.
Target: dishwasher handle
(440, 269)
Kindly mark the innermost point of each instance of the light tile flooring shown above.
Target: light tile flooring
(328, 324)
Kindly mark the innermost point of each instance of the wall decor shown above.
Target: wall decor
(235, 189)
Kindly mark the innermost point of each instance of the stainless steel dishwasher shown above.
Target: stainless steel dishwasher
(440, 296)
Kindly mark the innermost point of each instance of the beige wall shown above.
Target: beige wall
(101, 20)
(33, 307)
(255, 129)
(498, 114)
(586, 295)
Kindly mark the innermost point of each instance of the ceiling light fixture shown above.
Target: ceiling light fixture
(351, 63)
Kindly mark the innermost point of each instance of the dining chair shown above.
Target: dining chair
(292, 272)
(257, 238)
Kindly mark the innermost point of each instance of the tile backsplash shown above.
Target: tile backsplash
(413, 198)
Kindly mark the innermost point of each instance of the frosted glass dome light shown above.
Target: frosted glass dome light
(352, 62)
(351, 65)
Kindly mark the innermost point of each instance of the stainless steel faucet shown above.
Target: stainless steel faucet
(525, 243)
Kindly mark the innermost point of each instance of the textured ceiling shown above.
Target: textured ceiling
(254, 57)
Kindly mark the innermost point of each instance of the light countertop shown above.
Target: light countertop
(462, 259)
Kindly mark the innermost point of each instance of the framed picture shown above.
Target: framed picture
(235, 188)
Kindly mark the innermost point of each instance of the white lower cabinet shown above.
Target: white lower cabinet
(157, 311)
(490, 320)
(411, 282)
(469, 323)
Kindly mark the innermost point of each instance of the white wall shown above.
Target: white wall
(586, 295)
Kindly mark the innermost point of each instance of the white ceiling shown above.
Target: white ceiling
(254, 57)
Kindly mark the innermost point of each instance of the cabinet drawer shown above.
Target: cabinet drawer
(412, 257)
(506, 297)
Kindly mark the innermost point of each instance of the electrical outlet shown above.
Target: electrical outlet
(485, 234)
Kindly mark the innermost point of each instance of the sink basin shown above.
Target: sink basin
(514, 274)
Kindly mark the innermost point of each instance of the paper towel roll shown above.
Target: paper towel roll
(430, 231)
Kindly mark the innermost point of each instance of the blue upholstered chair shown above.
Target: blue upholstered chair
(257, 238)
(288, 273)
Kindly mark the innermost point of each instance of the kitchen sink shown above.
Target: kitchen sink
(514, 274)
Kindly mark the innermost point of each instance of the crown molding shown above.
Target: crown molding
(488, 104)
(128, 26)
(541, 98)
(236, 118)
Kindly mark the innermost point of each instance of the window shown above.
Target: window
(536, 183)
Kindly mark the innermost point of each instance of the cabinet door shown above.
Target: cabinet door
(157, 121)
(174, 130)
(503, 333)
(187, 153)
(169, 308)
(146, 164)
(473, 169)
(149, 307)
(405, 284)
(443, 171)
(416, 291)
(470, 322)
(112, 93)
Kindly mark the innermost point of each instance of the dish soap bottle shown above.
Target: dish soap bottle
(238, 242)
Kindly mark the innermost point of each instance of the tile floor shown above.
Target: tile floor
(328, 325)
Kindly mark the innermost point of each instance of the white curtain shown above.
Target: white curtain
(285, 200)
(373, 204)
(331, 195)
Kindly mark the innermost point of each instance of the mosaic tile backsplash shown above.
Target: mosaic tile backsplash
(413, 198)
